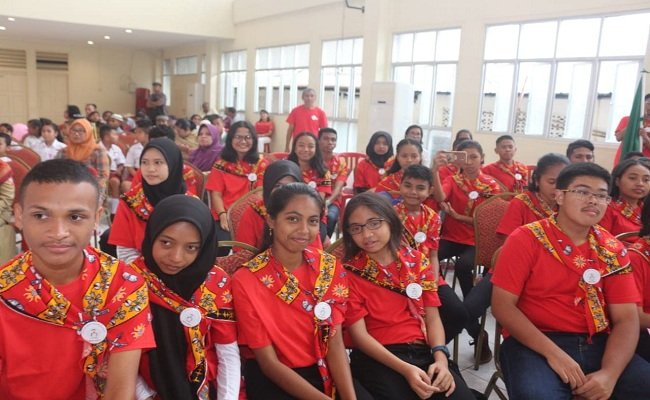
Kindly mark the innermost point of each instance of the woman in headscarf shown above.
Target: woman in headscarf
(373, 169)
(210, 147)
(161, 165)
(81, 146)
(197, 356)
(253, 221)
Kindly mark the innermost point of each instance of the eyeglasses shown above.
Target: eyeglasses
(78, 131)
(583, 195)
(246, 138)
(371, 225)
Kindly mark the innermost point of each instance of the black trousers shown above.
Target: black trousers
(643, 348)
(260, 387)
(384, 383)
(464, 266)
(453, 312)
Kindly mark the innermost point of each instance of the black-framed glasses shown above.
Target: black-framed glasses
(583, 195)
(371, 225)
(246, 138)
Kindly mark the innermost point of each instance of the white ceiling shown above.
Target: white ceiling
(70, 33)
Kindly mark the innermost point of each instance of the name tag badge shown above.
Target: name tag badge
(414, 291)
(94, 332)
(312, 184)
(518, 177)
(322, 311)
(473, 195)
(591, 276)
(252, 177)
(190, 317)
(420, 237)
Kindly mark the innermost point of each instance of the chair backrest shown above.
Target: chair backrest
(623, 237)
(337, 249)
(232, 262)
(19, 169)
(125, 141)
(200, 178)
(351, 161)
(237, 209)
(486, 219)
(27, 155)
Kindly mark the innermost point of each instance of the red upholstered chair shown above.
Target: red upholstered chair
(27, 155)
(233, 261)
(487, 216)
(199, 177)
(20, 168)
(237, 209)
(498, 374)
(628, 237)
(337, 249)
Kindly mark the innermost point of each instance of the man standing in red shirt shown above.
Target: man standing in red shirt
(305, 118)
(566, 298)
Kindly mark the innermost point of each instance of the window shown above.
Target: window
(568, 78)
(281, 73)
(167, 79)
(232, 80)
(340, 88)
(186, 65)
(428, 61)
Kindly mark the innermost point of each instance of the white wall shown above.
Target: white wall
(96, 74)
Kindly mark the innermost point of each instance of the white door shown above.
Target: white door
(13, 96)
(186, 95)
(52, 89)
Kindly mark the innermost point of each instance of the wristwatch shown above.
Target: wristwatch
(443, 348)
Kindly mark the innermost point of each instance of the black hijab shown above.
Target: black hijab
(275, 172)
(167, 360)
(174, 184)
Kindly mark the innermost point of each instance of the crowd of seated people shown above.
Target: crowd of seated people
(158, 313)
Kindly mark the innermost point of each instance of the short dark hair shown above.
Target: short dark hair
(415, 127)
(159, 131)
(230, 154)
(631, 154)
(404, 142)
(573, 146)
(73, 111)
(279, 199)
(144, 124)
(418, 172)
(543, 164)
(573, 171)
(620, 169)
(6, 137)
(504, 137)
(60, 170)
(323, 131)
(8, 126)
(183, 123)
(104, 130)
(381, 206)
(35, 123)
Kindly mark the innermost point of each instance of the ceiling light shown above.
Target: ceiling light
(128, 31)
(12, 19)
(2, 28)
(107, 37)
(91, 42)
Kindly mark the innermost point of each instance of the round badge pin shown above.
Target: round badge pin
(518, 177)
(94, 332)
(252, 177)
(190, 317)
(420, 237)
(591, 276)
(312, 184)
(414, 291)
(382, 171)
(473, 195)
(322, 311)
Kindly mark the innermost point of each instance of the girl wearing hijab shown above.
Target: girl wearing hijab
(210, 147)
(239, 170)
(372, 169)
(290, 300)
(81, 146)
(196, 355)
(277, 174)
(161, 165)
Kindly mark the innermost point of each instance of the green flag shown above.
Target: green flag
(631, 139)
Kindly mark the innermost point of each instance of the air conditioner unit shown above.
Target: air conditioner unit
(391, 108)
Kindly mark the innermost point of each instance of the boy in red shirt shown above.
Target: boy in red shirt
(73, 320)
(510, 173)
(565, 294)
(339, 172)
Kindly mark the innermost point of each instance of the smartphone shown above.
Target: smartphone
(456, 156)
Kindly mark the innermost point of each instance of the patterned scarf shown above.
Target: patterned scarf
(603, 256)
(483, 185)
(516, 168)
(139, 204)
(26, 291)
(411, 267)
(425, 221)
(535, 204)
(631, 212)
(642, 246)
(205, 300)
(391, 182)
(243, 169)
(337, 167)
(329, 288)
